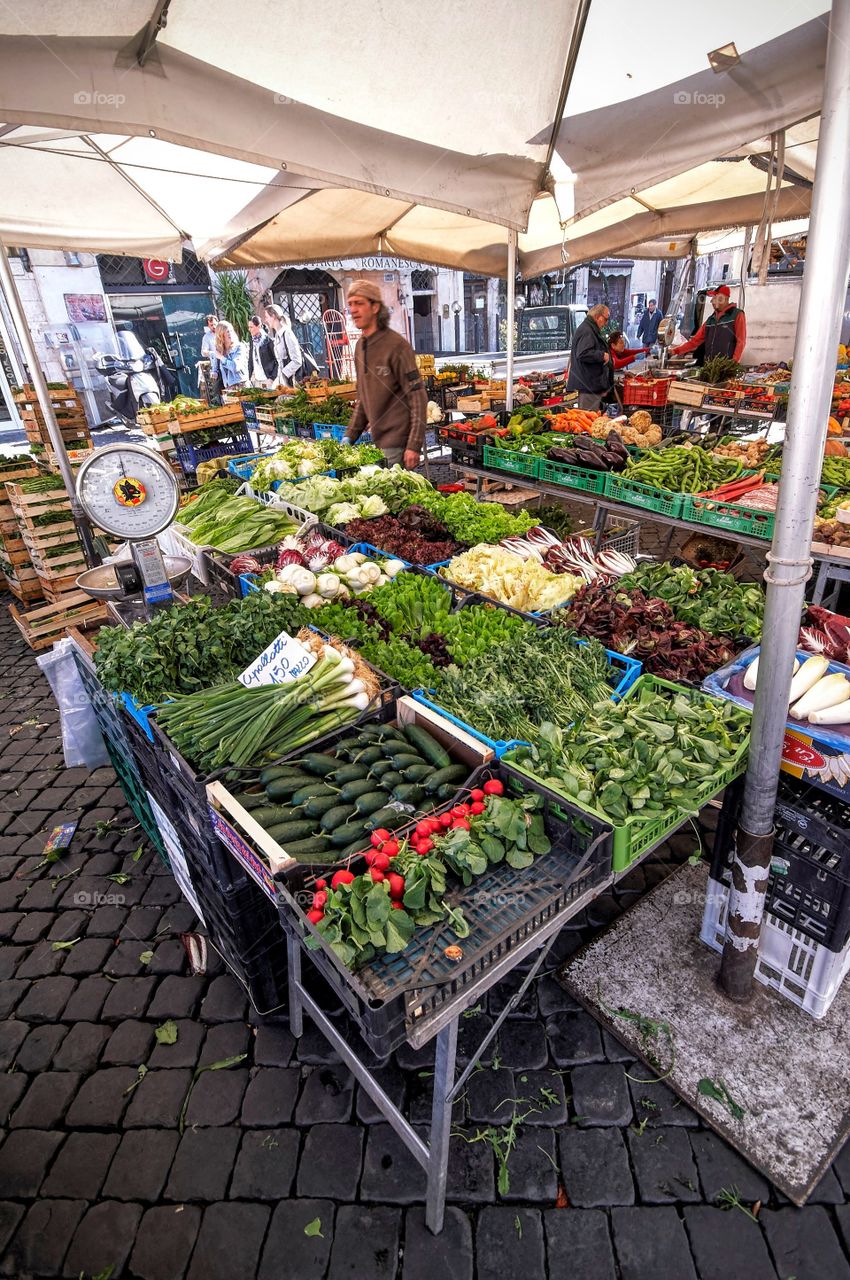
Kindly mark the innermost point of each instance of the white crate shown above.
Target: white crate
(804, 971)
(175, 541)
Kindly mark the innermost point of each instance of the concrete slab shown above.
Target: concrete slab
(787, 1071)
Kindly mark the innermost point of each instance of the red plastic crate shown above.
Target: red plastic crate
(654, 393)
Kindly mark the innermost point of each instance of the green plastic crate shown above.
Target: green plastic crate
(585, 478)
(643, 495)
(728, 515)
(134, 793)
(635, 838)
(518, 464)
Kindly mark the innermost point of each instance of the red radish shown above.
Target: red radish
(476, 794)
(341, 877)
(494, 787)
(397, 906)
(381, 861)
(370, 856)
(378, 837)
(461, 822)
(321, 884)
(396, 883)
(390, 848)
(460, 810)
(477, 807)
(434, 824)
(320, 899)
(425, 845)
(445, 819)
(377, 875)
(423, 828)
(315, 915)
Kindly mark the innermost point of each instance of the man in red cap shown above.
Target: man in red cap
(724, 333)
(391, 400)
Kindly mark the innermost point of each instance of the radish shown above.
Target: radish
(341, 877)
(828, 692)
(809, 674)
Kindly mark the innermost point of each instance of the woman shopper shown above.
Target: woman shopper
(289, 356)
(232, 356)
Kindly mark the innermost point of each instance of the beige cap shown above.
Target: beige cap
(365, 289)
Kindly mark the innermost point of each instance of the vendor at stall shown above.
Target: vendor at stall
(590, 359)
(621, 355)
(391, 400)
(724, 333)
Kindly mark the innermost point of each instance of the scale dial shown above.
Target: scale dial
(128, 491)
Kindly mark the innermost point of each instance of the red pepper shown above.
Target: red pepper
(494, 787)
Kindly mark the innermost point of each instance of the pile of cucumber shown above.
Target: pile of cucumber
(323, 808)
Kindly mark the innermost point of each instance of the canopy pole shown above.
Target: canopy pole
(10, 289)
(509, 339)
(789, 560)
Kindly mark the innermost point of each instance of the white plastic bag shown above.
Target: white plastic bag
(82, 741)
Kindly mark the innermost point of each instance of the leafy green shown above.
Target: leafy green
(705, 598)
(471, 521)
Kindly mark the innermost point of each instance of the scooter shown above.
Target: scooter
(132, 383)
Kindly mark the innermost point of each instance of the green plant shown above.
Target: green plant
(233, 301)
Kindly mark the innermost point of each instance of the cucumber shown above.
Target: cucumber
(391, 779)
(392, 747)
(351, 773)
(312, 791)
(390, 818)
(283, 788)
(336, 817)
(382, 767)
(370, 801)
(454, 773)
(350, 834)
(418, 772)
(252, 799)
(271, 814)
(409, 793)
(427, 746)
(446, 790)
(293, 831)
(314, 850)
(370, 755)
(317, 763)
(404, 760)
(372, 730)
(356, 846)
(352, 790)
(276, 771)
(320, 804)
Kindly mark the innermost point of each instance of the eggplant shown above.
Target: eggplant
(586, 458)
(569, 456)
(613, 461)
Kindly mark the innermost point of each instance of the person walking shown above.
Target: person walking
(590, 359)
(724, 333)
(290, 359)
(208, 380)
(262, 361)
(648, 324)
(232, 356)
(391, 400)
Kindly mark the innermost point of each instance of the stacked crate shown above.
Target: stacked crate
(70, 415)
(17, 568)
(54, 553)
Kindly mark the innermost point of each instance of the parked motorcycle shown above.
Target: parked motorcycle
(132, 377)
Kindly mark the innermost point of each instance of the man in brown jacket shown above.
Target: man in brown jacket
(391, 400)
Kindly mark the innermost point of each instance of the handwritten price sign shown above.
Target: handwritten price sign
(283, 660)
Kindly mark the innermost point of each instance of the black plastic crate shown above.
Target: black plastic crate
(394, 998)
(809, 882)
(243, 927)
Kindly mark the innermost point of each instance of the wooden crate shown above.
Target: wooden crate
(49, 535)
(15, 552)
(24, 584)
(58, 588)
(686, 391)
(154, 419)
(345, 390)
(223, 416)
(42, 627)
(27, 506)
(7, 472)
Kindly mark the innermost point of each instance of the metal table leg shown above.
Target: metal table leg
(293, 965)
(441, 1125)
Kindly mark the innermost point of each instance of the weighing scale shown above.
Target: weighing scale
(131, 493)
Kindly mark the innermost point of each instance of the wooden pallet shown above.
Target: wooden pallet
(42, 627)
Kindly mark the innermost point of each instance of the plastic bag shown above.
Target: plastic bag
(82, 740)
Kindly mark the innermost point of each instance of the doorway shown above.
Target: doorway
(171, 324)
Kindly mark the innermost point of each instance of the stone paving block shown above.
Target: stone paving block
(471, 1175)
(129, 998)
(33, 926)
(288, 1251)
(217, 1097)
(265, 1168)
(574, 1037)
(392, 1081)
(225, 1001)
(595, 1167)
(41, 1047)
(81, 1048)
(156, 1102)
(46, 1100)
(601, 1095)
(505, 990)
(24, 1158)
(472, 1029)
(365, 1243)
(391, 1174)
(176, 997)
(11, 958)
(141, 924)
(88, 1000)
(273, 1046)
(10, 1216)
(203, 1164)
(542, 1098)
(448, 1255)
(42, 1240)
(522, 1044)
(804, 1243)
(164, 1242)
(124, 959)
(509, 1242)
(168, 957)
(532, 1171)
(664, 1166)
(80, 1167)
(841, 1167)
(229, 1242)
(720, 1167)
(226, 1040)
(9, 922)
(313, 1049)
(185, 1050)
(330, 1162)
(141, 1165)
(46, 999)
(616, 1052)
(12, 1036)
(107, 921)
(651, 1242)
(102, 1099)
(410, 1059)
(578, 1245)
(270, 1097)
(326, 1097)
(490, 1096)
(726, 1244)
(12, 991)
(658, 1105)
(12, 1088)
(842, 1217)
(104, 1238)
(129, 1044)
(88, 956)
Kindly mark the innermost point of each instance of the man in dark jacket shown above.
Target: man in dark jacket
(648, 324)
(391, 400)
(262, 361)
(590, 360)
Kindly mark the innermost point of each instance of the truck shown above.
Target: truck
(546, 330)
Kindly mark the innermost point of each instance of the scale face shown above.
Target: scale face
(128, 491)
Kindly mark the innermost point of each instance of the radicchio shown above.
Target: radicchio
(289, 557)
(830, 630)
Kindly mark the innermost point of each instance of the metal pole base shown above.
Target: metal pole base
(746, 907)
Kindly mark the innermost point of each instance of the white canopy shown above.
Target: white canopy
(320, 131)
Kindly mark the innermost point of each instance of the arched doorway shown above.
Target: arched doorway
(305, 293)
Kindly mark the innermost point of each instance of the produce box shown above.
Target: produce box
(42, 627)
(635, 838)
(225, 415)
(521, 464)
(28, 506)
(264, 857)
(817, 753)
(728, 515)
(16, 472)
(643, 495)
(189, 456)
(645, 391)
(687, 392)
(585, 478)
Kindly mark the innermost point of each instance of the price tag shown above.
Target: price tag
(284, 659)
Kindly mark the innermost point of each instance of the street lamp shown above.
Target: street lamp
(456, 308)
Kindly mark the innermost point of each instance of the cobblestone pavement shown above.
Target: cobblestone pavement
(96, 1179)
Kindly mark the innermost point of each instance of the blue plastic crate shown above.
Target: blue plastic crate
(189, 456)
(247, 584)
(249, 412)
(336, 431)
(630, 667)
(139, 713)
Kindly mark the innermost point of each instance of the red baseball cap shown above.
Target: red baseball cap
(723, 288)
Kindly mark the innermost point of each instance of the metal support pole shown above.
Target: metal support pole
(789, 560)
(509, 340)
(10, 289)
(441, 1127)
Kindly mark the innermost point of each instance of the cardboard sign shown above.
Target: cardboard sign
(284, 659)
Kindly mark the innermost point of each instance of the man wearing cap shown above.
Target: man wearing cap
(391, 400)
(724, 333)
